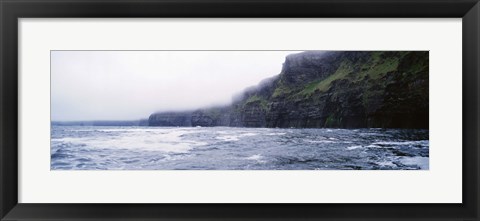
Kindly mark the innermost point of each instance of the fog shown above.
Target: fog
(130, 85)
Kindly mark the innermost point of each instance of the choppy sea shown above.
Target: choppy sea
(227, 148)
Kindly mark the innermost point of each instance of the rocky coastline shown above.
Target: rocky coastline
(317, 89)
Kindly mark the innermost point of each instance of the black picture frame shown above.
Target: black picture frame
(12, 10)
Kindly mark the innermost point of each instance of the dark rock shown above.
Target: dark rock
(171, 119)
(327, 89)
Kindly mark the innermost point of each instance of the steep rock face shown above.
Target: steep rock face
(253, 114)
(211, 117)
(362, 89)
(171, 119)
(332, 89)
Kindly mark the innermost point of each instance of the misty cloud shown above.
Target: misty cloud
(128, 85)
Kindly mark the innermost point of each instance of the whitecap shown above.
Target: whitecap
(320, 141)
(386, 163)
(354, 147)
(235, 137)
(391, 143)
(275, 134)
(228, 138)
(255, 157)
(370, 134)
(422, 162)
(158, 140)
(373, 146)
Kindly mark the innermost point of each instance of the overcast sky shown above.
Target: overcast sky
(130, 85)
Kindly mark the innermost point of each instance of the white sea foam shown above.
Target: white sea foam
(354, 147)
(126, 130)
(275, 134)
(419, 142)
(228, 138)
(370, 134)
(386, 163)
(421, 162)
(373, 146)
(235, 137)
(255, 157)
(155, 140)
(320, 141)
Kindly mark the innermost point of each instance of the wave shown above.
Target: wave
(391, 143)
(155, 140)
(117, 148)
(235, 137)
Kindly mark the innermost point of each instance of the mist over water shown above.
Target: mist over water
(227, 148)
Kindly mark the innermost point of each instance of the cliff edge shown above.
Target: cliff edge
(339, 89)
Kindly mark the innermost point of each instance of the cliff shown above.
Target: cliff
(171, 119)
(327, 89)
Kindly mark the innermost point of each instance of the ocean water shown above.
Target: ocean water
(226, 148)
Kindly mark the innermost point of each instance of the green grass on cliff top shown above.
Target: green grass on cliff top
(323, 85)
(255, 98)
(281, 90)
(375, 68)
(379, 69)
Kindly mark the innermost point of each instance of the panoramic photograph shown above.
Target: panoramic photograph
(239, 110)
